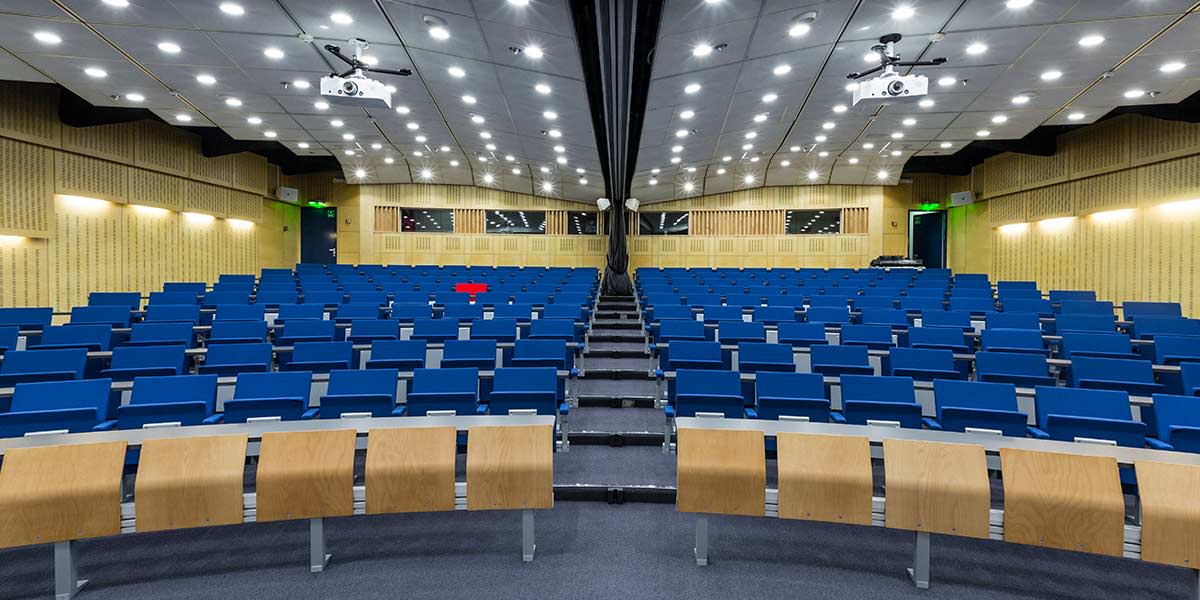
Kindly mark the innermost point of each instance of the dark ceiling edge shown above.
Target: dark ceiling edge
(77, 112)
(1043, 141)
(645, 41)
(583, 16)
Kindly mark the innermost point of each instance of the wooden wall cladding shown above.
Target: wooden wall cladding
(825, 478)
(1064, 501)
(489, 249)
(936, 487)
(469, 220)
(80, 175)
(190, 482)
(410, 470)
(722, 472)
(801, 196)
(457, 196)
(29, 112)
(58, 493)
(779, 251)
(163, 148)
(510, 468)
(24, 272)
(305, 475)
(26, 187)
(1170, 513)
(855, 221)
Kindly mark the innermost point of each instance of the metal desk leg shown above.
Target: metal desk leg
(317, 557)
(701, 549)
(528, 547)
(919, 572)
(667, 437)
(66, 573)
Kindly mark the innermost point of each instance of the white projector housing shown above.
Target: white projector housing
(355, 90)
(890, 88)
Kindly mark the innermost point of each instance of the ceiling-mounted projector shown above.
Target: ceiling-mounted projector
(353, 86)
(890, 85)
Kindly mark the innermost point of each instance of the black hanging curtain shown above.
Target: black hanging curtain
(616, 273)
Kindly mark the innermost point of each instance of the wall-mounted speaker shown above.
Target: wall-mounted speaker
(962, 198)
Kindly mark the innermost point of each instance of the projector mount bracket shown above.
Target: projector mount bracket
(357, 66)
(889, 59)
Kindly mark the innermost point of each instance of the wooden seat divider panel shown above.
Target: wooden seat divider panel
(510, 468)
(1063, 501)
(722, 472)
(825, 478)
(59, 493)
(1170, 513)
(410, 470)
(190, 482)
(937, 487)
(306, 475)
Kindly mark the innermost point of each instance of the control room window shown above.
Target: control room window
(515, 221)
(813, 222)
(663, 223)
(427, 220)
(582, 222)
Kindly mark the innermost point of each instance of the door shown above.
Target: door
(927, 237)
(318, 235)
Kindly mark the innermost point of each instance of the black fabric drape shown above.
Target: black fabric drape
(616, 273)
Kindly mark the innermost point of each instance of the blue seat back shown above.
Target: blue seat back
(921, 359)
(272, 297)
(716, 314)
(754, 355)
(363, 382)
(1085, 307)
(219, 298)
(872, 302)
(732, 332)
(128, 300)
(774, 315)
(1172, 349)
(163, 333)
(500, 330)
(462, 312)
(173, 298)
(1147, 327)
(831, 301)
(239, 312)
(890, 317)
(76, 406)
(197, 390)
(1177, 421)
(952, 338)
(525, 388)
(562, 311)
(435, 381)
(840, 356)
(239, 354)
(972, 304)
(190, 287)
(541, 353)
(309, 328)
(827, 315)
(323, 298)
(708, 391)
(27, 317)
(1087, 371)
(789, 385)
(167, 313)
(95, 337)
(323, 352)
(9, 334)
(974, 394)
(143, 357)
(238, 330)
(66, 363)
(1078, 343)
(364, 329)
(113, 316)
(1013, 320)
(681, 330)
(480, 354)
(353, 312)
(410, 351)
(557, 329)
(868, 335)
(1008, 366)
(878, 388)
(946, 318)
(520, 312)
(1012, 340)
(289, 312)
(1027, 305)
(1072, 402)
(1083, 322)
(1133, 310)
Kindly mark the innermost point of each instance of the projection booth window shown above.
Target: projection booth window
(813, 222)
(515, 221)
(427, 220)
(663, 223)
(582, 223)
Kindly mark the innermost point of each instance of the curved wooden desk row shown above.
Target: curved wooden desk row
(1051, 498)
(61, 493)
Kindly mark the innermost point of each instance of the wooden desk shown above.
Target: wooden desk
(825, 478)
(190, 482)
(510, 468)
(722, 472)
(410, 470)
(306, 475)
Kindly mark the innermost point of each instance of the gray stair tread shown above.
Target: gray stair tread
(615, 420)
(621, 388)
(630, 364)
(602, 465)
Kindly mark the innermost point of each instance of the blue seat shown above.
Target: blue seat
(276, 297)
(1004, 286)
(231, 359)
(737, 300)
(831, 301)
(670, 331)
(361, 391)
(1095, 323)
(27, 317)
(283, 395)
(874, 337)
(1065, 414)
(947, 318)
(411, 312)
(1102, 345)
(699, 300)
(717, 314)
(492, 299)
(923, 304)
(922, 364)
(1013, 320)
(1026, 341)
(129, 362)
(74, 406)
(452, 298)
(172, 313)
(42, 365)
(892, 317)
(1085, 307)
(542, 353)
(323, 298)
(940, 338)
(963, 404)
(410, 298)
(774, 315)
(95, 338)
(827, 315)
(365, 331)
(735, 332)
(841, 360)
(1176, 423)
(557, 329)
(347, 313)
(757, 357)
(867, 398)
(970, 292)
(573, 312)
(306, 330)
(531, 298)
(217, 298)
(162, 334)
(239, 312)
(687, 354)
(445, 389)
(365, 297)
(434, 330)
(1017, 368)
(1133, 310)
(791, 394)
(113, 316)
(975, 306)
(1132, 376)
(183, 399)
(497, 330)
(524, 388)
(1011, 295)
(1172, 349)
(1039, 307)
(1146, 328)
(293, 312)
(877, 303)
(519, 312)
(127, 300)
(237, 332)
(665, 312)
(188, 287)
(320, 357)
(462, 313)
(699, 391)
(403, 355)
(480, 354)
(8, 338)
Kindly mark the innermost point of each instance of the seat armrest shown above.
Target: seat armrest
(399, 411)
(931, 424)
(214, 419)
(1037, 433)
(105, 425)
(837, 417)
(311, 413)
(1156, 444)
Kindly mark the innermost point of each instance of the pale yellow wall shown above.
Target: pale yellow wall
(1131, 164)
(133, 235)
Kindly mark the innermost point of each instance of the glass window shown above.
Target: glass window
(427, 220)
(663, 223)
(813, 222)
(582, 223)
(515, 221)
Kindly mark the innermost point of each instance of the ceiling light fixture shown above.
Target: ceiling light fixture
(336, 123)
(702, 50)
(977, 48)
(321, 105)
(1016, 4)
(1051, 75)
(1172, 67)
(813, 175)
(301, 84)
(868, 146)
(270, 134)
(341, 18)
(926, 103)
(457, 72)
(839, 109)
(1134, 93)
(983, 133)
(691, 88)
(534, 52)
(946, 144)
(909, 122)
(169, 47)
(1076, 116)
(1091, 41)
(254, 120)
(999, 119)
(1020, 99)
(234, 102)
(468, 99)
(854, 160)
(273, 53)
(95, 73)
(302, 145)
(231, 9)
(769, 98)
(46, 37)
(182, 118)
(542, 88)
(781, 70)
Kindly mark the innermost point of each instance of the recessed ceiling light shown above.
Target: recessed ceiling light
(747, 147)
(303, 145)
(169, 47)
(1015, 4)
(688, 186)
(454, 163)
(349, 137)
(721, 171)
(813, 175)
(656, 170)
(820, 139)
(781, 70)
(418, 154)
(477, 119)
(687, 114)
(46, 37)
(871, 57)
(676, 148)
(751, 135)
(426, 173)
(652, 181)
(1091, 41)
(1172, 67)
(273, 53)
(691, 88)
(882, 174)
(926, 103)
(726, 158)
(562, 160)
(977, 48)
(559, 149)
(681, 133)
(439, 32)
(999, 119)
(117, 3)
(868, 146)
(420, 139)
(1051, 75)
(519, 2)
(182, 118)
(1076, 116)
(1134, 93)
(903, 12)
(516, 171)
(301, 84)
(542, 88)
(947, 81)
(95, 73)
(350, 152)
(391, 89)
(341, 18)
(234, 102)
(488, 178)
(549, 115)
(580, 170)
(456, 72)
(785, 163)
(701, 50)
(841, 108)
(983, 133)
(254, 120)
(676, 160)
(691, 169)
(1020, 99)
(827, 125)
(389, 160)
(909, 122)
(799, 29)
(485, 135)
(270, 134)
(336, 123)
(822, 154)
(897, 136)
(545, 169)
(850, 87)
(946, 144)
(896, 153)
(377, 146)
(769, 98)
(854, 160)
(232, 9)
(554, 133)
(468, 99)
(748, 179)
(760, 117)
(412, 125)
(794, 148)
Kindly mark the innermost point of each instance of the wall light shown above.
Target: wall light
(1112, 216)
(198, 218)
(85, 204)
(1181, 207)
(1056, 224)
(1014, 228)
(11, 240)
(149, 210)
(240, 224)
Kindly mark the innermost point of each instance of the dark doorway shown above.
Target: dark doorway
(318, 235)
(927, 237)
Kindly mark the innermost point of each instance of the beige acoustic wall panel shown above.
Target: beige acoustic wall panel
(79, 175)
(88, 250)
(159, 190)
(164, 149)
(24, 272)
(26, 188)
(113, 143)
(29, 112)
(152, 248)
